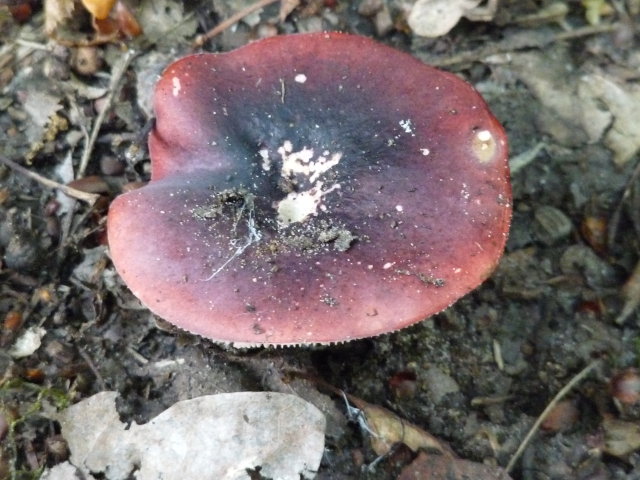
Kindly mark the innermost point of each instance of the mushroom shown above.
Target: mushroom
(312, 188)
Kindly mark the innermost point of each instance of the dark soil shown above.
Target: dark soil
(476, 375)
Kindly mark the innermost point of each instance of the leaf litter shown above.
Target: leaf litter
(217, 437)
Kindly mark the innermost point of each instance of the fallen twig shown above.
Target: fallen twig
(92, 366)
(89, 198)
(510, 45)
(114, 88)
(222, 26)
(559, 396)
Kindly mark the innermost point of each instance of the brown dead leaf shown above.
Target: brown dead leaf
(439, 467)
(387, 429)
(127, 23)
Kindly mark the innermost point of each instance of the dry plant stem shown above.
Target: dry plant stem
(87, 359)
(65, 227)
(507, 47)
(114, 88)
(34, 45)
(89, 42)
(559, 396)
(89, 198)
(222, 26)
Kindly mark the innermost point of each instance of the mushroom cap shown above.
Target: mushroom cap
(312, 188)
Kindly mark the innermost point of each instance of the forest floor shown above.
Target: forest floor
(564, 80)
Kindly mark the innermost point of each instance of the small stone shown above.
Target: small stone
(111, 165)
(86, 60)
(439, 384)
(383, 22)
(551, 224)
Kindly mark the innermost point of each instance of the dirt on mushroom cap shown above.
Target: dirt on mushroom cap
(304, 192)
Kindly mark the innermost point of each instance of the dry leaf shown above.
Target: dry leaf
(215, 437)
(39, 103)
(164, 21)
(434, 18)
(387, 429)
(622, 102)
(581, 109)
(127, 23)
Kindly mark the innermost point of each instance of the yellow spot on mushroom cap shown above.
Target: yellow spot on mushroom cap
(483, 146)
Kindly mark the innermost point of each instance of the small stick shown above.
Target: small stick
(114, 88)
(483, 53)
(235, 18)
(89, 198)
(559, 396)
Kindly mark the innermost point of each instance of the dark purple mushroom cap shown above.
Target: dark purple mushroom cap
(311, 189)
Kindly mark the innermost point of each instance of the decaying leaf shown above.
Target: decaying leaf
(439, 467)
(164, 21)
(622, 102)
(56, 12)
(581, 108)
(387, 429)
(40, 104)
(620, 438)
(210, 437)
(90, 269)
(434, 18)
